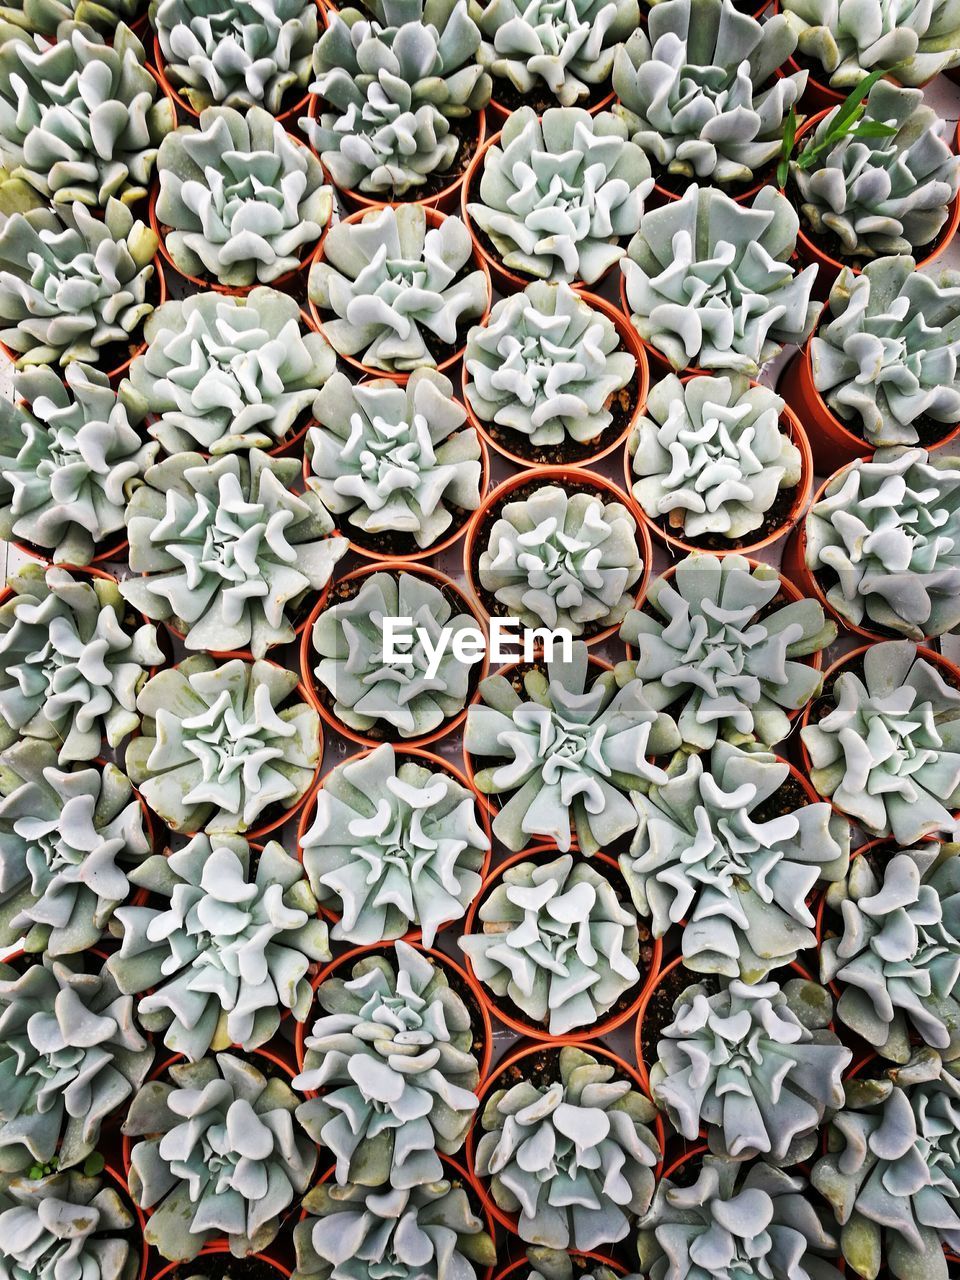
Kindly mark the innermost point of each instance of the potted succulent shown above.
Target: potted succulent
(222, 373)
(228, 553)
(241, 202)
(229, 748)
(720, 464)
(393, 846)
(391, 289)
(553, 376)
(877, 548)
(395, 463)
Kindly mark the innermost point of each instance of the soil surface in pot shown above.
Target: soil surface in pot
(506, 95)
(621, 405)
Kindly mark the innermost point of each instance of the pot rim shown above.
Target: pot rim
(216, 1248)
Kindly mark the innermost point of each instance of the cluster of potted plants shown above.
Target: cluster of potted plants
(634, 958)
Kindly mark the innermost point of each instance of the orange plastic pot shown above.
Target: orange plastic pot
(531, 1030)
(159, 69)
(562, 476)
(306, 652)
(515, 1270)
(629, 341)
(217, 1249)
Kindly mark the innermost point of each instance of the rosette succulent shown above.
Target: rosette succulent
(221, 1155)
(241, 199)
(394, 80)
(391, 1062)
(70, 1055)
(394, 846)
(394, 459)
(557, 941)
(420, 1233)
(561, 559)
(399, 288)
(80, 119)
(227, 551)
(562, 49)
(375, 696)
(74, 286)
(71, 662)
(223, 745)
(568, 754)
(739, 884)
(548, 368)
(699, 90)
(887, 191)
(242, 53)
(68, 841)
(64, 1227)
(572, 1155)
(884, 540)
(756, 1066)
(886, 358)
(559, 193)
(736, 1220)
(887, 749)
(223, 373)
(710, 456)
(720, 636)
(45, 16)
(225, 945)
(710, 283)
(896, 955)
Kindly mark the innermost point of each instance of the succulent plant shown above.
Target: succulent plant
(547, 365)
(721, 644)
(736, 882)
(559, 193)
(886, 358)
(736, 1220)
(756, 1066)
(569, 754)
(393, 1068)
(71, 1055)
(246, 53)
(394, 846)
(887, 191)
(223, 745)
(223, 373)
(394, 459)
(68, 841)
(418, 1233)
(73, 286)
(565, 48)
(699, 90)
(372, 695)
(885, 540)
(896, 957)
(224, 946)
(887, 750)
(65, 1227)
(80, 119)
(557, 1264)
(70, 664)
(221, 1155)
(227, 550)
(399, 288)
(45, 16)
(849, 38)
(571, 1154)
(394, 78)
(709, 283)
(556, 941)
(242, 200)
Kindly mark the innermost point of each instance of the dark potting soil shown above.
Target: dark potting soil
(659, 1011)
(542, 1069)
(505, 94)
(226, 1267)
(621, 405)
(686, 1174)
(393, 542)
(776, 518)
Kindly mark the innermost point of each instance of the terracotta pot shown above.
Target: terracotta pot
(307, 654)
(660, 366)
(515, 1270)
(629, 341)
(159, 69)
(439, 958)
(429, 761)
(217, 1249)
(516, 1022)
(434, 219)
(539, 478)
